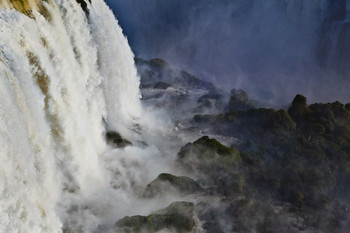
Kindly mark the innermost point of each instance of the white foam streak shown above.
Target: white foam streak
(115, 58)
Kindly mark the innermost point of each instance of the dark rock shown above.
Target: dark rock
(161, 85)
(250, 124)
(167, 182)
(209, 159)
(84, 6)
(183, 98)
(287, 171)
(212, 227)
(117, 140)
(213, 99)
(347, 106)
(298, 109)
(230, 183)
(211, 216)
(177, 217)
(239, 101)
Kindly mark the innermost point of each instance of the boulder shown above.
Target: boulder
(208, 158)
(117, 140)
(177, 217)
(167, 182)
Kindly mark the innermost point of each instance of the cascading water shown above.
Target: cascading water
(62, 72)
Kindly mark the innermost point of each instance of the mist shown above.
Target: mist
(272, 49)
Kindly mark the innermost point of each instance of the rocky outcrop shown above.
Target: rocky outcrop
(288, 171)
(167, 183)
(298, 158)
(178, 217)
(115, 139)
(177, 91)
(239, 101)
(209, 156)
(84, 6)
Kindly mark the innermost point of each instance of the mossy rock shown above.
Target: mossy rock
(177, 217)
(214, 145)
(117, 140)
(208, 156)
(167, 182)
(267, 120)
(133, 224)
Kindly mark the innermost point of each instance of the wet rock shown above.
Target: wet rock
(169, 183)
(177, 217)
(216, 166)
(208, 157)
(84, 6)
(117, 140)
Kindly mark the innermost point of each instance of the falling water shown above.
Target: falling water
(65, 74)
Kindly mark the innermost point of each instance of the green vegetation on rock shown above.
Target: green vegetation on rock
(177, 217)
(209, 156)
(288, 171)
(167, 182)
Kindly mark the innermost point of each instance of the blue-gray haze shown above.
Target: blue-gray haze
(273, 49)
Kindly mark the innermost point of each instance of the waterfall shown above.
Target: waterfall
(66, 71)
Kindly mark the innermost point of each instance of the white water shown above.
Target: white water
(59, 80)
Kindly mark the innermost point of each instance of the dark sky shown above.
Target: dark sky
(273, 49)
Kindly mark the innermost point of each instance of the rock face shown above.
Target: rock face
(298, 109)
(239, 101)
(298, 159)
(177, 91)
(286, 171)
(208, 156)
(116, 139)
(169, 183)
(84, 6)
(178, 217)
